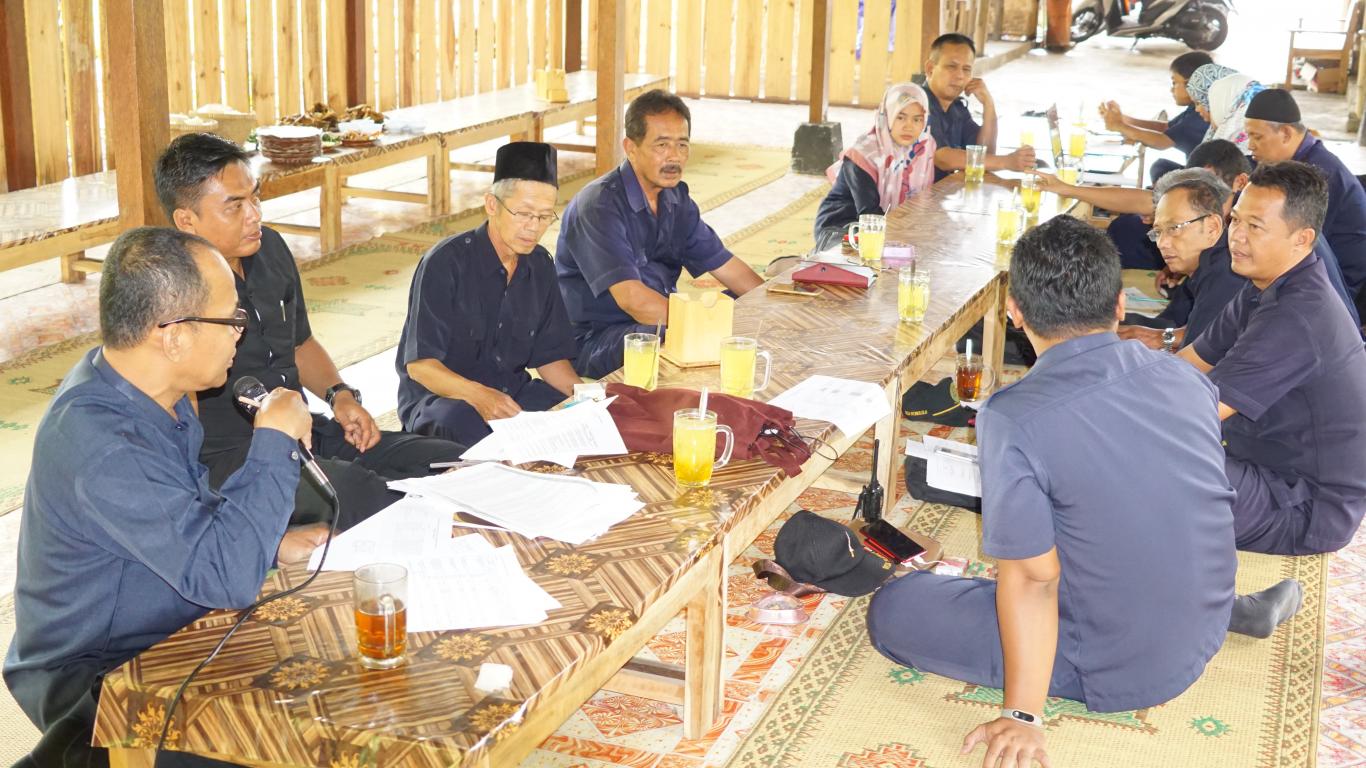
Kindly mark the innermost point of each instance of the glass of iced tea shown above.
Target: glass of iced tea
(971, 381)
(381, 608)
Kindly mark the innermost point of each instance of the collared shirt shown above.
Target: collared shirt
(610, 235)
(1290, 361)
(1187, 130)
(1345, 225)
(953, 128)
(277, 323)
(122, 541)
(1197, 301)
(464, 313)
(853, 195)
(1147, 568)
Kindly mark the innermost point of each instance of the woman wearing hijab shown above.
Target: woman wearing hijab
(884, 166)
(1221, 96)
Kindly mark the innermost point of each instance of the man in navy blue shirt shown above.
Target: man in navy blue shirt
(1275, 134)
(1189, 225)
(1184, 132)
(1111, 590)
(122, 540)
(484, 307)
(1291, 371)
(948, 80)
(628, 236)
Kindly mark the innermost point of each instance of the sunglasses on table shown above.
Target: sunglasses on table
(238, 321)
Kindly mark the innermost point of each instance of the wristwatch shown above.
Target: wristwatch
(1168, 339)
(337, 389)
(1022, 717)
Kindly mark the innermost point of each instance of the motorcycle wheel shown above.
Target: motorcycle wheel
(1209, 32)
(1086, 22)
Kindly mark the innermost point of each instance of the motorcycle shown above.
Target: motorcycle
(1200, 24)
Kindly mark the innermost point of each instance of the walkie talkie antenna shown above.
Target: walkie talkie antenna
(871, 497)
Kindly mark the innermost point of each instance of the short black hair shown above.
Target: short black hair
(653, 102)
(950, 38)
(1205, 192)
(187, 163)
(149, 277)
(1304, 188)
(1221, 156)
(1065, 276)
(1186, 64)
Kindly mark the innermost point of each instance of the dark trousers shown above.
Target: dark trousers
(458, 420)
(947, 625)
(360, 479)
(1130, 236)
(67, 719)
(1271, 515)
(600, 352)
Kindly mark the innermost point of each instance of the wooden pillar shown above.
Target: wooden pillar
(138, 80)
(1059, 25)
(611, 44)
(357, 46)
(819, 97)
(930, 26)
(573, 35)
(16, 110)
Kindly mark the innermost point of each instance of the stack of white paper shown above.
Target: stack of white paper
(561, 437)
(853, 406)
(949, 464)
(568, 509)
(1140, 303)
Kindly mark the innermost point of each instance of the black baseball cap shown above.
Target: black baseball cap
(824, 553)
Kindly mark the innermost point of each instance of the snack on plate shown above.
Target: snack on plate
(289, 144)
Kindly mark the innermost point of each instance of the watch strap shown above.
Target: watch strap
(1022, 716)
(337, 389)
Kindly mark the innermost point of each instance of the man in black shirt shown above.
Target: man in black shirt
(207, 188)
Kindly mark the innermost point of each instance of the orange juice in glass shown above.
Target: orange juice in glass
(695, 446)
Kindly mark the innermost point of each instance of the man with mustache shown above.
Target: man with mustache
(628, 236)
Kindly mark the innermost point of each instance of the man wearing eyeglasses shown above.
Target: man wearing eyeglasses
(1290, 368)
(629, 234)
(207, 188)
(484, 308)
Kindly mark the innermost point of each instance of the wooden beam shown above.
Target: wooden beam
(819, 97)
(1059, 35)
(611, 82)
(357, 46)
(929, 29)
(140, 100)
(82, 96)
(573, 35)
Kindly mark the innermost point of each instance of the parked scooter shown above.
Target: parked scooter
(1200, 24)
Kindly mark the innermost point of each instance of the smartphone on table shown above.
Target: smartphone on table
(883, 538)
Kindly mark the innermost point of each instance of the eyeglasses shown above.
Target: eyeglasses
(526, 218)
(238, 321)
(1156, 233)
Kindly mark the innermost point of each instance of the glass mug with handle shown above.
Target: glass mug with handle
(971, 380)
(380, 605)
(640, 360)
(869, 234)
(695, 446)
(739, 363)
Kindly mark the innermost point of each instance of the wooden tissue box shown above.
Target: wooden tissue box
(550, 85)
(698, 321)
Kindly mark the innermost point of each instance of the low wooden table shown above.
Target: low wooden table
(59, 220)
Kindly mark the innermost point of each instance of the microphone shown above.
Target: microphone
(249, 392)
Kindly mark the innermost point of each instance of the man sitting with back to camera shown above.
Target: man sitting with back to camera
(1111, 590)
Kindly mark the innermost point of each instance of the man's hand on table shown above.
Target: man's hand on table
(1021, 160)
(1148, 337)
(298, 544)
(1113, 116)
(284, 410)
(1012, 743)
(356, 421)
(492, 404)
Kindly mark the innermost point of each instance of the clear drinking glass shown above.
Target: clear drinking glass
(695, 446)
(739, 363)
(976, 168)
(640, 358)
(871, 234)
(381, 608)
(912, 294)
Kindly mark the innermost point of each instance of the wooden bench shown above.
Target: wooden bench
(1335, 45)
(59, 221)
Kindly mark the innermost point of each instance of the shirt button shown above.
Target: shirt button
(505, 389)
(293, 455)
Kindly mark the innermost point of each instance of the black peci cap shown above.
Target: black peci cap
(824, 553)
(527, 161)
(1274, 105)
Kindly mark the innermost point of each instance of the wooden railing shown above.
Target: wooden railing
(279, 57)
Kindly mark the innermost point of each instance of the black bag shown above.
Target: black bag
(922, 491)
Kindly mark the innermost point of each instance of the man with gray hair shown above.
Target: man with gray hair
(1188, 228)
(484, 307)
(123, 541)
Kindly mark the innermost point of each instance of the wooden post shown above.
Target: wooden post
(573, 35)
(820, 61)
(1059, 25)
(16, 103)
(357, 46)
(611, 82)
(930, 26)
(140, 100)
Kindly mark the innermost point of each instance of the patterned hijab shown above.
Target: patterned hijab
(899, 171)
(1202, 78)
(1228, 100)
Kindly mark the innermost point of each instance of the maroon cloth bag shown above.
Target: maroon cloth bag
(646, 422)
